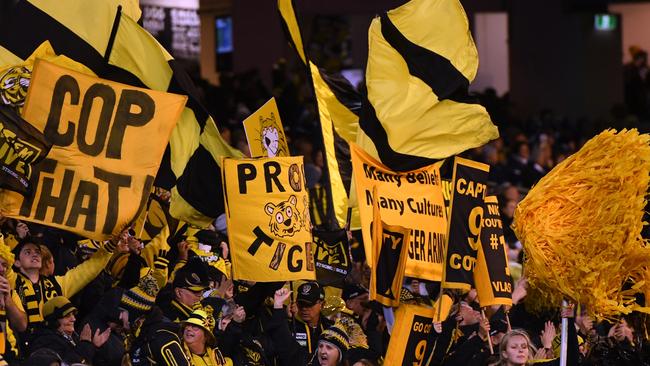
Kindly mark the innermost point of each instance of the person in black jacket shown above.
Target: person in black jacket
(59, 333)
(108, 315)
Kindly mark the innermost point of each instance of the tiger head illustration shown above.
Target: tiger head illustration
(13, 86)
(272, 139)
(285, 217)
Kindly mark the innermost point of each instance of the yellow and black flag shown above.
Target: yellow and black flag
(339, 105)
(421, 60)
(113, 46)
(465, 223)
(389, 246)
(492, 274)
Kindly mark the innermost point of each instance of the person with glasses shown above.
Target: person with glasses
(188, 286)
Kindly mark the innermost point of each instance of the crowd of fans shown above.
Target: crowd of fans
(171, 300)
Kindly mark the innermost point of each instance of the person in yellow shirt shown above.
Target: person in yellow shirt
(34, 289)
(199, 341)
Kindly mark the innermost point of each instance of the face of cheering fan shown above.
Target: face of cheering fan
(193, 335)
(328, 354)
(29, 257)
(516, 352)
(66, 324)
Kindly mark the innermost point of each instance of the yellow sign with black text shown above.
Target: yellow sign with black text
(108, 141)
(265, 133)
(409, 341)
(267, 212)
(409, 199)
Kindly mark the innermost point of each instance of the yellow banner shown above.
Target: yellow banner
(409, 199)
(108, 140)
(264, 132)
(268, 219)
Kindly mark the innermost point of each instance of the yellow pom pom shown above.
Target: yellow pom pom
(581, 226)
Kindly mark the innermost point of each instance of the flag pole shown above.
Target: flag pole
(508, 320)
(564, 339)
(489, 339)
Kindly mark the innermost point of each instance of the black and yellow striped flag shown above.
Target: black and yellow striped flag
(109, 42)
(338, 105)
(421, 60)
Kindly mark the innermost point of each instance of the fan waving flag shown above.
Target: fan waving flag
(115, 47)
(421, 60)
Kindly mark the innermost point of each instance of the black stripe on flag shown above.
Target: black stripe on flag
(202, 191)
(370, 124)
(435, 70)
(342, 90)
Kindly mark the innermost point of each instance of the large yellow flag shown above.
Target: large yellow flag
(99, 172)
(114, 47)
(421, 60)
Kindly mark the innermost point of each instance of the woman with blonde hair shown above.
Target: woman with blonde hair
(516, 349)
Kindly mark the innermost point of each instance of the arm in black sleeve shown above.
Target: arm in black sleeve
(253, 299)
(442, 341)
(471, 352)
(230, 338)
(288, 350)
(167, 349)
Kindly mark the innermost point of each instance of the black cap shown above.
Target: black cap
(350, 291)
(193, 276)
(309, 293)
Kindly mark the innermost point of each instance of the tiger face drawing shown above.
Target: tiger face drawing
(271, 137)
(13, 86)
(285, 217)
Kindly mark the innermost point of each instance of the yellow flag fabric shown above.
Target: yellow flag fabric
(115, 47)
(268, 219)
(389, 245)
(265, 133)
(492, 274)
(100, 170)
(409, 341)
(421, 60)
(465, 222)
(412, 200)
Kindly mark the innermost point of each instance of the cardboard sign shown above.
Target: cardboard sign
(264, 132)
(409, 199)
(466, 220)
(108, 140)
(492, 274)
(268, 219)
(408, 342)
(389, 245)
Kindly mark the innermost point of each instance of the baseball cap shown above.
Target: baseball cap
(309, 293)
(350, 291)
